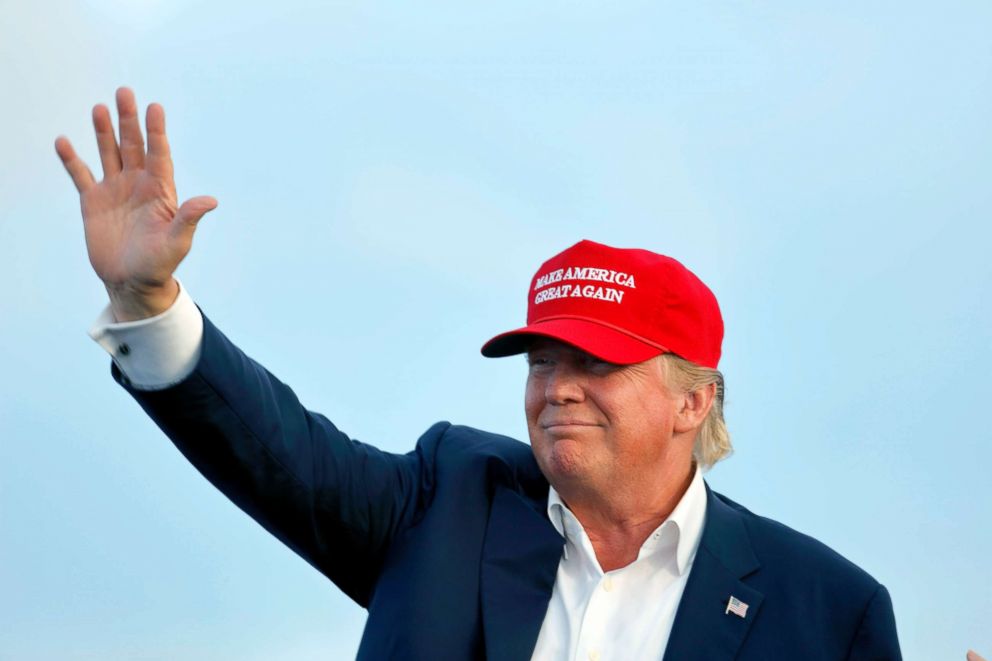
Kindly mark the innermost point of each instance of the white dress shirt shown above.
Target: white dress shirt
(623, 614)
(157, 352)
(626, 613)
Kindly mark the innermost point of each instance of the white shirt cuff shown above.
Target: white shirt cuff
(156, 352)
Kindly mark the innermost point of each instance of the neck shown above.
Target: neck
(619, 521)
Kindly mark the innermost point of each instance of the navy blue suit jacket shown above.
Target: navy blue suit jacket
(449, 546)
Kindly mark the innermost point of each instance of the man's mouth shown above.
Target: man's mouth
(567, 423)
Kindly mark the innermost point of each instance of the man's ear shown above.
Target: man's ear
(694, 407)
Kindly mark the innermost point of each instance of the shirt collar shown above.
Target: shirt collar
(685, 523)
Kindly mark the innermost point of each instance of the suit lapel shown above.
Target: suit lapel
(703, 629)
(520, 559)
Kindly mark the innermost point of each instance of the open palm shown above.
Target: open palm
(136, 233)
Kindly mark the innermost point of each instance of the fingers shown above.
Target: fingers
(159, 160)
(106, 142)
(132, 143)
(80, 173)
(130, 154)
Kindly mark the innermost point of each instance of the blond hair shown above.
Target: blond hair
(712, 440)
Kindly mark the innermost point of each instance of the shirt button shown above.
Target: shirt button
(123, 349)
(594, 655)
(608, 584)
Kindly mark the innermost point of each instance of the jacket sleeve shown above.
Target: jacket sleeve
(336, 502)
(876, 638)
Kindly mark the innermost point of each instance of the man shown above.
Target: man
(599, 541)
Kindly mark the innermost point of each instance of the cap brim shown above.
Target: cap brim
(604, 342)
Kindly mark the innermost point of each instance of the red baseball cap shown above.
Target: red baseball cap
(622, 305)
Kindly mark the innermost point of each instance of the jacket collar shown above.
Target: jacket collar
(704, 629)
(520, 558)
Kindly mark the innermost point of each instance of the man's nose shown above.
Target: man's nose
(564, 385)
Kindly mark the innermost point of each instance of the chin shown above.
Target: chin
(565, 459)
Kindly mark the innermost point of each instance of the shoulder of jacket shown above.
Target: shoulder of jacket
(459, 439)
(467, 450)
(783, 548)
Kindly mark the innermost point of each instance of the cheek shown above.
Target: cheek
(533, 402)
(647, 427)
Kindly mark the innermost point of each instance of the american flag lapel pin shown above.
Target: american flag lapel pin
(736, 606)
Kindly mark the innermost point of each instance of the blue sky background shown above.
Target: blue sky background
(390, 177)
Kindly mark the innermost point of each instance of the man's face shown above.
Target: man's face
(595, 425)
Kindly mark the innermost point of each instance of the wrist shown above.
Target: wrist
(132, 302)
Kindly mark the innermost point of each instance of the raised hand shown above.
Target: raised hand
(136, 233)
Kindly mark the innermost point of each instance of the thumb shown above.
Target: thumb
(192, 210)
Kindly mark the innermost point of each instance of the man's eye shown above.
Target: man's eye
(598, 365)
